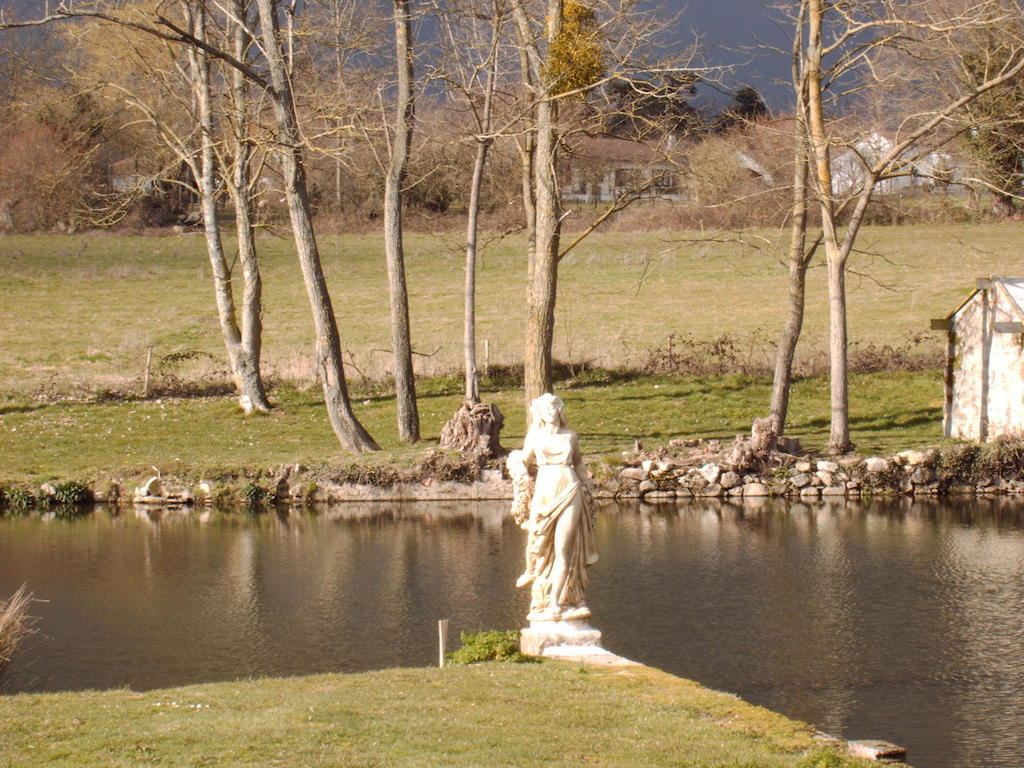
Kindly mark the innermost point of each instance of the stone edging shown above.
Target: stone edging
(682, 470)
(911, 472)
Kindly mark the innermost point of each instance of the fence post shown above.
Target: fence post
(149, 365)
(442, 633)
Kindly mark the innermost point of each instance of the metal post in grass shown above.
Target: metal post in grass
(442, 633)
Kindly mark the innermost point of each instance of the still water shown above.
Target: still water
(901, 621)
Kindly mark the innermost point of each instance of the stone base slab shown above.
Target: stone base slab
(536, 639)
(588, 654)
(869, 749)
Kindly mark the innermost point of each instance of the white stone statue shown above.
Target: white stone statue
(557, 513)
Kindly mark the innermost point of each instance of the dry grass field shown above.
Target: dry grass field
(78, 313)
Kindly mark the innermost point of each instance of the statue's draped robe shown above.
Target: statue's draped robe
(559, 492)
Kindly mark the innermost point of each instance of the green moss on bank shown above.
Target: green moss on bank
(550, 714)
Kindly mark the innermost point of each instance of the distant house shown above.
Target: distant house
(605, 169)
(985, 362)
(125, 177)
(935, 169)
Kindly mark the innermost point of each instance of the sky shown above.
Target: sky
(730, 29)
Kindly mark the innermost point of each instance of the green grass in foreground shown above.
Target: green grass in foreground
(80, 441)
(550, 714)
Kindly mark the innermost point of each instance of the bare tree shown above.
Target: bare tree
(173, 92)
(243, 348)
(994, 122)
(330, 367)
(568, 50)
(471, 71)
(277, 46)
(799, 255)
(544, 197)
(399, 140)
(240, 183)
(846, 47)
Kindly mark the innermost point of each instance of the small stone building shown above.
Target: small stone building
(985, 362)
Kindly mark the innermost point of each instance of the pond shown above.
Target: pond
(902, 621)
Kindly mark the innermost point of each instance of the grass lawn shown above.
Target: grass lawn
(79, 441)
(550, 714)
(77, 314)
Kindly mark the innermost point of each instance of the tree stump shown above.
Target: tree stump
(475, 428)
(763, 436)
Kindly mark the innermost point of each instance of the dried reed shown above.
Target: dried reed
(15, 624)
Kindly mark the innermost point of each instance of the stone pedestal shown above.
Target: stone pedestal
(877, 750)
(560, 638)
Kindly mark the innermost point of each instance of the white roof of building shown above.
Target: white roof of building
(1014, 288)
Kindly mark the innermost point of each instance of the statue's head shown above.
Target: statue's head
(547, 408)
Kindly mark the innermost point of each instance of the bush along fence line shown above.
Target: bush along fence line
(757, 466)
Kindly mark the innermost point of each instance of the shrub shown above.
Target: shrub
(16, 499)
(15, 624)
(368, 474)
(1002, 458)
(460, 468)
(256, 495)
(958, 464)
(968, 463)
(71, 493)
(489, 645)
(754, 355)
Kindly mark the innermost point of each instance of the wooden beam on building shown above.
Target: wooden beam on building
(1009, 327)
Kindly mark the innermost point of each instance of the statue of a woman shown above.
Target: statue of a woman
(560, 523)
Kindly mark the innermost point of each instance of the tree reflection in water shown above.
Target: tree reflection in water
(901, 620)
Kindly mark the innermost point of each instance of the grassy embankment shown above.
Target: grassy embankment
(551, 714)
(78, 313)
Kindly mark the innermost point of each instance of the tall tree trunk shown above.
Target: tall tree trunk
(839, 435)
(240, 188)
(540, 321)
(798, 257)
(526, 144)
(244, 367)
(527, 151)
(401, 136)
(483, 146)
(798, 260)
(339, 123)
(330, 368)
(469, 325)
(835, 257)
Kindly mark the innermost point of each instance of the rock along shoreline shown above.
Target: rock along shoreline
(681, 470)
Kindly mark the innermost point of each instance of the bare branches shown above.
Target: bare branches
(154, 24)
